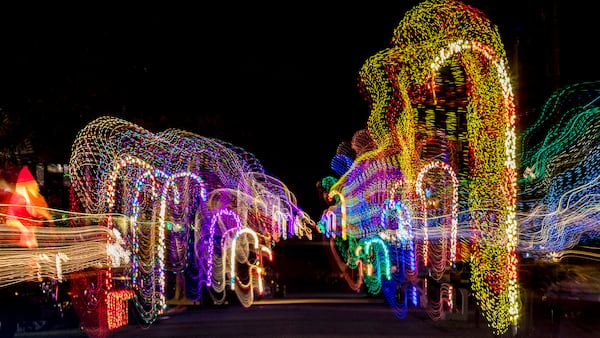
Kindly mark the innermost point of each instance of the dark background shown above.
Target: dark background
(278, 80)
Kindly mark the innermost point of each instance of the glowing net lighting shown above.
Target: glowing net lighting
(401, 234)
(443, 96)
(561, 181)
(173, 186)
(421, 193)
(233, 256)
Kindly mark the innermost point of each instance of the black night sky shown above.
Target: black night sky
(278, 80)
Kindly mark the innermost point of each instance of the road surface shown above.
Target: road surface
(320, 317)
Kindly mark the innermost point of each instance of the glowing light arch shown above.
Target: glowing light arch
(454, 213)
(117, 166)
(332, 194)
(330, 223)
(403, 235)
(158, 290)
(233, 243)
(401, 85)
(211, 240)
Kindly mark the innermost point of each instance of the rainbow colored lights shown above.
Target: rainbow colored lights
(194, 206)
(560, 179)
(427, 187)
(441, 139)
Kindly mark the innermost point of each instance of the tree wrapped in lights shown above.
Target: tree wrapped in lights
(196, 207)
(441, 93)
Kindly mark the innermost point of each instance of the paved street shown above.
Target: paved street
(346, 316)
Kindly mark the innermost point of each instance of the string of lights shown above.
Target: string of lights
(186, 198)
(439, 98)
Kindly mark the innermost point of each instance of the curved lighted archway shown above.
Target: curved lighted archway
(454, 209)
(410, 89)
(117, 166)
(332, 194)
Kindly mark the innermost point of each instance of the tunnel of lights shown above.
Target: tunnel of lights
(434, 177)
(157, 216)
(435, 182)
(197, 209)
(441, 140)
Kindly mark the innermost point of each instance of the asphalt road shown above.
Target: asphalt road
(330, 317)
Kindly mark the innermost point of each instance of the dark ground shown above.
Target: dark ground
(349, 315)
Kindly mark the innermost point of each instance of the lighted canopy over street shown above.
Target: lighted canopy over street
(146, 206)
(196, 206)
(434, 182)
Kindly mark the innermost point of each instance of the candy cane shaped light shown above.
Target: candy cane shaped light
(233, 250)
(454, 206)
(332, 194)
(455, 80)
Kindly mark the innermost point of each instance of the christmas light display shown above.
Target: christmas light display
(431, 181)
(560, 178)
(145, 206)
(192, 203)
(60, 250)
(422, 195)
(27, 208)
(442, 122)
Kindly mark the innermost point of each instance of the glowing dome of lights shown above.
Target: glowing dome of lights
(196, 207)
(441, 141)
